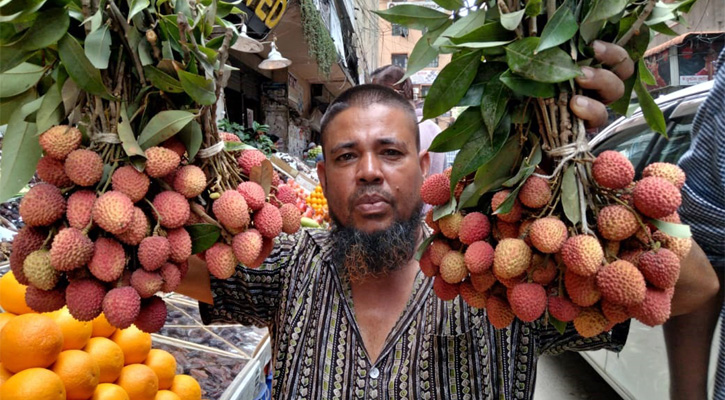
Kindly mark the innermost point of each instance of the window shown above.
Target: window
(400, 60)
(399, 30)
(424, 91)
(632, 142)
(434, 63)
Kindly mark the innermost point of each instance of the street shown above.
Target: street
(568, 377)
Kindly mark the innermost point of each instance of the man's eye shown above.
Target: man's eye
(345, 157)
(392, 152)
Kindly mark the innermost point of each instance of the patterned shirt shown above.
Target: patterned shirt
(436, 350)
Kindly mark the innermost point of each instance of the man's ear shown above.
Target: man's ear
(424, 159)
(321, 175)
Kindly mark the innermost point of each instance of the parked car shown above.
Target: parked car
(640, 371)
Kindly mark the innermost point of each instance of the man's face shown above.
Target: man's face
(372, 171)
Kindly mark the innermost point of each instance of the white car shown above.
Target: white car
(640, 371)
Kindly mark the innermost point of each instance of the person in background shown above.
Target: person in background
(689, 336)
(390, 76)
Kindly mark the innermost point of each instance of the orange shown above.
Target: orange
(33, 384)
(164, 365)
(79, 373)
(75, 333)
(109, 391)
(101, 327)
(186, 387)
(135, 344)
(139, 381)
(30, 340)
(4, 374)
(109, 357)
(4, 318)
(12, 295)
(167, 395)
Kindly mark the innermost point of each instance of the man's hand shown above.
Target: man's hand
(697, 284)
(608, 84)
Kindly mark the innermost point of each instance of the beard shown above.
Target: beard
(363, 255)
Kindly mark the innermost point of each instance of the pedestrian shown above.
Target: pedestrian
(689, 336)
(349, 311)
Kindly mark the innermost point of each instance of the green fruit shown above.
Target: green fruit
(309, 223)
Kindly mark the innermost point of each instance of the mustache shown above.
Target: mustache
(370, 190)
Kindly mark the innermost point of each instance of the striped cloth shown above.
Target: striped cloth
(436, 350)
(703, 196)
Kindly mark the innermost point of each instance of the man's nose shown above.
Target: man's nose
(369, 169)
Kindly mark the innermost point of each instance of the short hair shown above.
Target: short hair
(389, 75)
(364, 96)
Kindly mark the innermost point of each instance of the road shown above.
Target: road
(569, 377)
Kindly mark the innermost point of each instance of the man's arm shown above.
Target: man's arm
(196, 284)
(697, 284)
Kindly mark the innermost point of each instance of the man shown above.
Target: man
(350, 314)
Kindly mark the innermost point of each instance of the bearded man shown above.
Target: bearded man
(349, 312)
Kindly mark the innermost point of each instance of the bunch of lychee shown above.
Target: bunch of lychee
(112, 241)
(531, 264)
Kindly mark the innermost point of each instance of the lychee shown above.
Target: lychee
(612, 170)
(655, 309)
(290, 218)
(484, 281)
(152, 316)
(113, 212)
(479, 257)
(84, 298)
(616, 222)
(138, 229)
(615, 313)
(229, 137)
(471, 296)
(58, 141)
(511, 258)
(656, 197)
(590, 322)
(121, 306)
(43, 301)
(42, 205)
(80, 208)
(247, 246)
(543, 269)
(146, 283)
(632, 256)
(562, 308)
(621, 283)
(268, 221)
(514, 214)
(250, 159)
(444, 290)
(582, 290)
(173, 143)
(528, 301)
(661, 267)
(171, 275)
(267, 248)
(52, 171)
(231, 210)
(285, 194)
(474, 227)
(436, 190)
(70, 249)
(179, 244)
(433, 225)
(426, 265)
(253, 194)
(438, 249)
(130, 182)
(153, 252)
(190, 181)
(548, 234)
(26, 241)
(450, 225)
(499, 312)
(535, 192)
(173, 209)
(84, 167)
(108, 261)
(453, 267)
(680, 246)
(38, 271)
(220, 260)
(582, 254)
(505, 230)
(670, 172)
(511, 282)
(160, 161)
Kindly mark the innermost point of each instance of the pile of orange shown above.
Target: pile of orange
(52, 356)
(317, 201)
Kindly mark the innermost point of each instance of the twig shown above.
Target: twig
(564, 119)
(86, 6)
(550, 9)
(183, 24)
(533, 30)
(638, 23)
(121, 22)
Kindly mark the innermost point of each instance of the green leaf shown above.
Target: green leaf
(637, 46)
(12, 56)
(604, 9)
(423, 53)
(508, 203)
(473, 95)
(676, 230)
(477, 151)
(144, 52)
(558, 325)
(136, 7)
(560, 29)
(645, 75)
(464, 26)
(489, 32)
(128, 141)
(21, 151)
(47, 29)
(19, 11)
(162, 80)
(650, 110)
(182, 6)
(98, 47)
(590, 30)
(452, 5)
(552, 65)
(203, 236)
(9, 105)
(163, 126)
(96, 20)
(512, 20)
(191, 136)
(533, 8)
(199, 88)
(79, 68)
(237, 146)
(523, 173)
(570, 195)
(482, 45)
(491, 174)
(20, 79)
(451, 84)
(664, 29)
(526, 87)
(660, 14)
(69, 93)
(424, 245)
(51, 110)
(456, 135)
(446, 209)
(415, 17)
(621, 106)
(493, 104)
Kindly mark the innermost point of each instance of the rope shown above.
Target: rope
(567, 152)
(211, 150)
(104, 137)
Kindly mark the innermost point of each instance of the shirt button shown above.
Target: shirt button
(374, 373)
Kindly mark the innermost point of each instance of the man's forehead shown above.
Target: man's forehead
(378, 119)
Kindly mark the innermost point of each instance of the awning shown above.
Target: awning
(678, 40)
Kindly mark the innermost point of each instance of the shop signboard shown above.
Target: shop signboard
(262, 15)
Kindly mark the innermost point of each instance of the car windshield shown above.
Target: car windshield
(632, 142)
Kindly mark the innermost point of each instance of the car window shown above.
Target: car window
(678, 142)
(632, 142)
